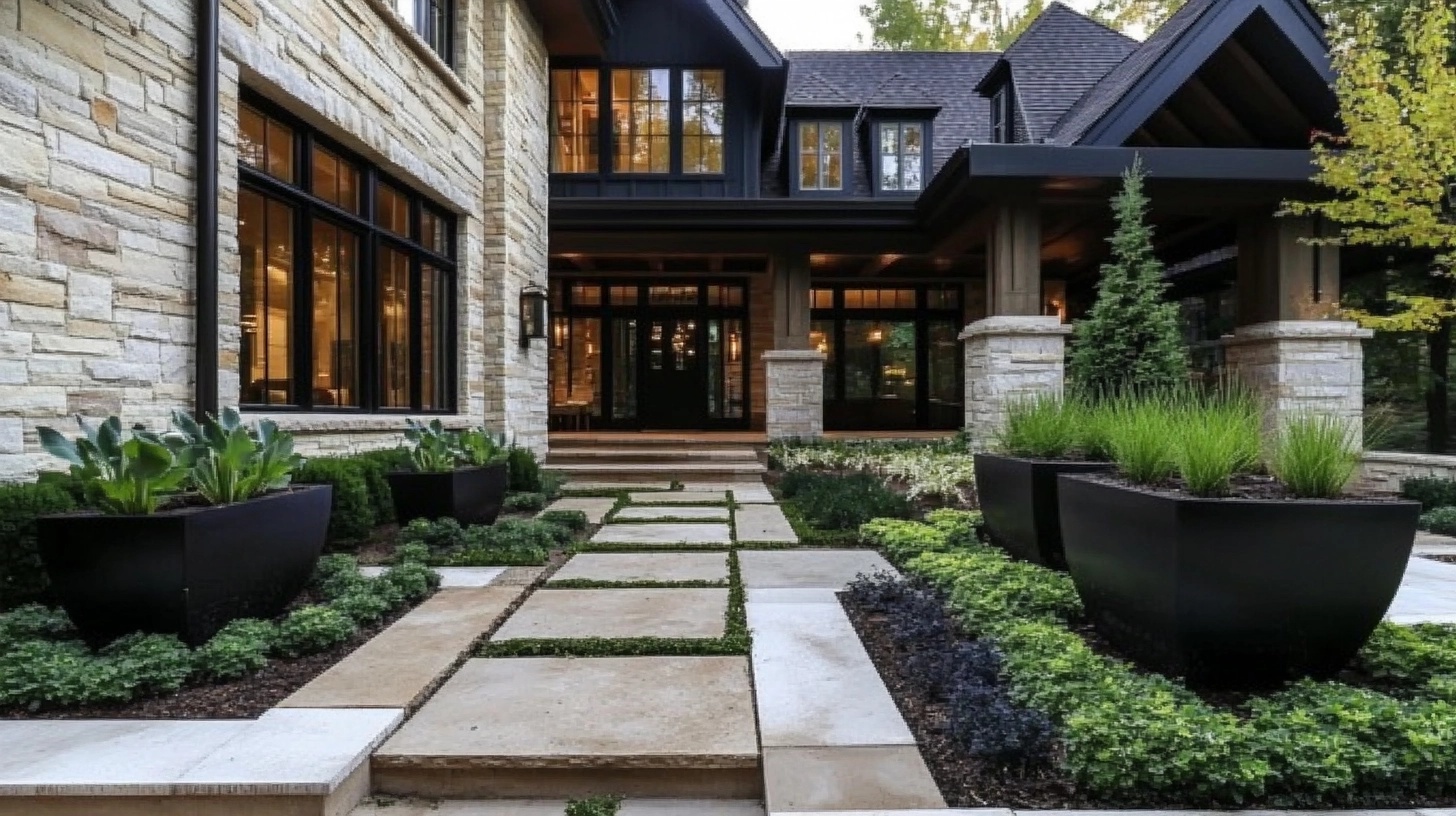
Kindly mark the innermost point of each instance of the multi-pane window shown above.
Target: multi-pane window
(821, 155)
(1001, 117)
(642, 120)
(902, 156)
(338, 311)
(703, 118)
(575, 119)
(431, 19)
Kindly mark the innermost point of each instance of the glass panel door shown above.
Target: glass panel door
(880, 372)
(674, 376)
(944, 361)
(624, 369)
(725, 369)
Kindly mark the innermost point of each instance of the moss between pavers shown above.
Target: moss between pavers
(735, 639)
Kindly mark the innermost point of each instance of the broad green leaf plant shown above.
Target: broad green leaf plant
(434, 448)
(228, 462)
(121, 476)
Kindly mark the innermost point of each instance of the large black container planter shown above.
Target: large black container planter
(188, 571)
(1234, 593)
(1018, 498)
(468, 495)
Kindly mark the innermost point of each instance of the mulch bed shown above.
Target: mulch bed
(964, 781)
(1445, 559)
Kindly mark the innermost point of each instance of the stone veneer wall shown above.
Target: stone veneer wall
(1383, 471)
(1302, 365)
(97, 195)
(795, 394)
(1009, 358)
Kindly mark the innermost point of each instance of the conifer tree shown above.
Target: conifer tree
(1132, 338)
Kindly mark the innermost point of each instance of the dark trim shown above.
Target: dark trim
(847, 159)
(602, 16)
(205, 399)
(927, 148)
(755, 44)
(840, 213)
(1035, 161)
(1200, 41)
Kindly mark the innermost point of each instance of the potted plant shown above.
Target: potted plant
(1043, 438)
(452, 475)
(152, 558)
(1196, 564)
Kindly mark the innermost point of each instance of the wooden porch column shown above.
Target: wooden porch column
(790, 272)
(1291, 347)
(1013, 258)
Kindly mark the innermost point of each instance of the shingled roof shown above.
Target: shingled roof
(1101, 97)
(1059, 57)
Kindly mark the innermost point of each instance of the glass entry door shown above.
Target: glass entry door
(673, 386)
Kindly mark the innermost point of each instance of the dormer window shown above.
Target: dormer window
(901, 157)
(821, 156)
(1001, 117)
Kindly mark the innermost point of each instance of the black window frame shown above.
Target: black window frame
(439, 38)
(846, 157)
(308, 208)
(606, 134)
(1002, 127)
(878, 155)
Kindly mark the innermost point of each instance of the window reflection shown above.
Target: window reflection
(703, 118)
(394, 339)
(575, 117)
(335, 347)
(641, 120)
(265, 248)
(821, 156)
(901, 156)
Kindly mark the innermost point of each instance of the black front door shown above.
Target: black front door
(672, 391)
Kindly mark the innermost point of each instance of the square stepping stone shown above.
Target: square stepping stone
(679, 497)
(879, 778)
(606, 712)
(618, 613)
(452, 577)
(807, 569)
(763, 522)
(667, 566)
(595, 509)
(585, 486)
(652, 512)
(665, 535)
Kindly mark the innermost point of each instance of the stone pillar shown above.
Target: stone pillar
(795, 402)
(1013, 260)
(1009, 357)
(1300, 366)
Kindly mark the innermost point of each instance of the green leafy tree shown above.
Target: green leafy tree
(1391, 173)
(948, 25)
(1131, 338)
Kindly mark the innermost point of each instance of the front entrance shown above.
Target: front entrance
(637, 355)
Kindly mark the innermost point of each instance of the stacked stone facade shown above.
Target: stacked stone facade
(795, 393)
(1009, 358)
(1302, 366)
(1383, 471)
(97, 196)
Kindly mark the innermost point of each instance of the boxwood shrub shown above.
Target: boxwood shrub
(22, 577)
(1430, 491)
(351, 519)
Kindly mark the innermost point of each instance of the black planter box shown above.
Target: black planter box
(189, 571)
(468, 495)
(1019, 501)
(1234, 593)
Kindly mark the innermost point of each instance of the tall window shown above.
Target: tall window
(642, 120)
(575, 118)
(1001, 117)
(821, 156)
(902, 156)
(338, 310)
(431, 20)
(703, 115)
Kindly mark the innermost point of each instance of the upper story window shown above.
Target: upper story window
(339, 310)
(642, 120)
(662, 120)
(821, 156)
(703, 117)
(575, 121)
(901, 157)
(1001, 117)
(431, 19)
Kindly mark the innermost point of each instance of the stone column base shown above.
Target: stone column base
(1009, 358)
(794, 393)
(1300, 366)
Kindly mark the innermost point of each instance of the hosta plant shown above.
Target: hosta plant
(433, 449)
(230, 463)
(122, 476)
(480, 448)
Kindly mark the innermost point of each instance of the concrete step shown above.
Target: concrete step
(617, 471)
(555, 807)
(646, 454)
(521, 728)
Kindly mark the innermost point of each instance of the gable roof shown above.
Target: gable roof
(1152, 61)
(899, 91)
(743, 28)
(814, 91)
(1059, 57)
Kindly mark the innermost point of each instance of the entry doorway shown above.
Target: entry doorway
(674, 354)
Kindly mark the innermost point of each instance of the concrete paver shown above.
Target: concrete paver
(618, 613)
(595, 509)
(665, 535)
(679, 497)
(555, 807)
(763, 522)
(864, 778)
(655, 512)
(650, 566)
(808, 569)
(1427, 593)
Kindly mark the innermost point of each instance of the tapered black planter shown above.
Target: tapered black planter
(1234, 593)
(187, 572)
(1019, 501)
(468, 495)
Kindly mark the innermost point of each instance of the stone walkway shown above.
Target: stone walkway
(1427, 593)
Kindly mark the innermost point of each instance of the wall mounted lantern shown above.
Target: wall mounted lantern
(533, 314)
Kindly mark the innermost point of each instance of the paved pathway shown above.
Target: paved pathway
(1427, 593)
